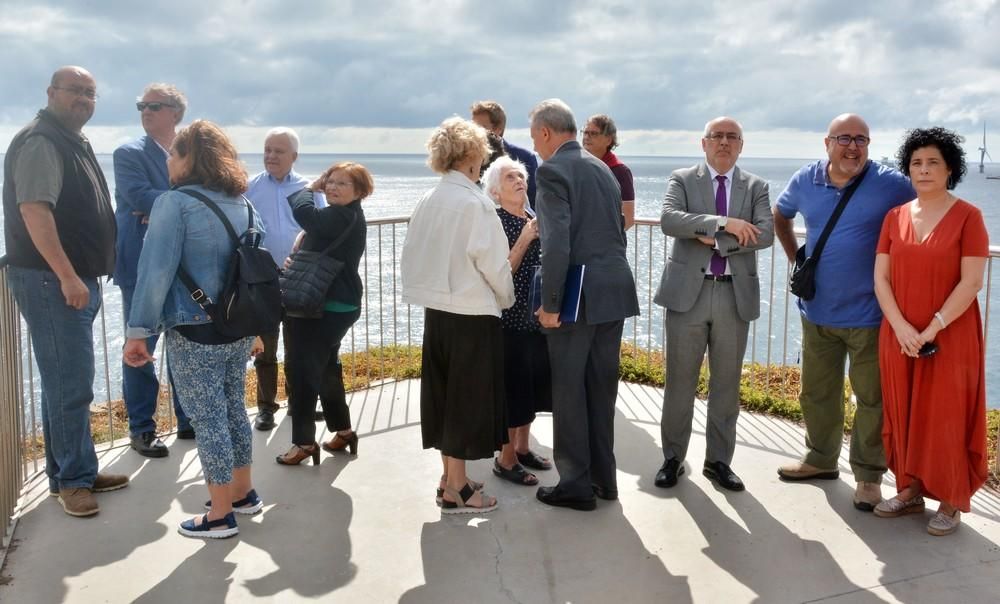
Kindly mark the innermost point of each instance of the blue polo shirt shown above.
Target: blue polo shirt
(270, 198)
(845, 282)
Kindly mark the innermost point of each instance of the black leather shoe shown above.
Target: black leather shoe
(264, 421)
(669, 473)
(147, 444)
(185, 434)
(723, 475)
(551, 496)
(605, 493)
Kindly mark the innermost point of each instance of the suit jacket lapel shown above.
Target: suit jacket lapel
(155, 154)
(738, 194)
(705, 189)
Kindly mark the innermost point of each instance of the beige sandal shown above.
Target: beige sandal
(895, 507)
(461, 504)
(942, 524)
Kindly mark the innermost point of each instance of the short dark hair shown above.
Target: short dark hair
(498, 119)
(947, 142)
(215, 164)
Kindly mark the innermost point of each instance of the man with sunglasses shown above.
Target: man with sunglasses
(718, 216)
(59, 229)
(841, 322)
(140, 177)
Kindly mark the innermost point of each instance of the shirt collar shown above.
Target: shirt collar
(728, 175)
(288, 177)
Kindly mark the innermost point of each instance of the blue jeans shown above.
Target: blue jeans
(63, 341)
(140, 388)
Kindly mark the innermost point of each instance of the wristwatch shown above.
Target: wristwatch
(721, 221)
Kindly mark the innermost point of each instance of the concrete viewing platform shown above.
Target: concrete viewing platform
(366, 529)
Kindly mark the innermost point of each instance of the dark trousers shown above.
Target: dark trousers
(584, 360)
(266, 364)
(313, 369)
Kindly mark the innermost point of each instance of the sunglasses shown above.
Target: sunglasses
(153, 106)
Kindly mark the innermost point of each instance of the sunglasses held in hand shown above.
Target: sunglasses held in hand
(928, 349)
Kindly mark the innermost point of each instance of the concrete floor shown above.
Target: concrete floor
(366, 529)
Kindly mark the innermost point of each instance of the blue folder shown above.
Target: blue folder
(572, 293)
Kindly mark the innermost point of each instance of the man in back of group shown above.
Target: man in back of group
(490, 115)
(140, 177)
(59, 229)
(581, 223)
(269, 191)
(718, 216)
(842, 321)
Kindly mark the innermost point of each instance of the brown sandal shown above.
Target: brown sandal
(439, 497)
(299, 453)
(339, 443)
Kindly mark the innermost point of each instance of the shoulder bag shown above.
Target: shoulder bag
(308, 277)
(803, 280)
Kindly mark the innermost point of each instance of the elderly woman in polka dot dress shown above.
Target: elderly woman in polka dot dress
(526, 358)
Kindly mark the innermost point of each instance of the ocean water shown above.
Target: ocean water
(400, 180)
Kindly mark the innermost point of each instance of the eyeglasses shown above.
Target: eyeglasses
(152, 106)
(729, 136)
(90, 93)
(845, 139)
(591, 132)
(338, 184)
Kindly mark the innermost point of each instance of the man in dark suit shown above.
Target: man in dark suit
(718, 216)
(140, 177)
(580, 223)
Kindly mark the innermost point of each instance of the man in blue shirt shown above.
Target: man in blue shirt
(269, 191)
(490, 115)
(140, 177)
(842, 321)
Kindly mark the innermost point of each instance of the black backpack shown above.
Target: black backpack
(250, 301)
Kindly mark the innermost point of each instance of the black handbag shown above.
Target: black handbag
(308, 277)
(802, 283)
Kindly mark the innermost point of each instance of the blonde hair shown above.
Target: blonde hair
(454, 141)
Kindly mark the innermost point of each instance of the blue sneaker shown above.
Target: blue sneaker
(209, 529)
(249, 505)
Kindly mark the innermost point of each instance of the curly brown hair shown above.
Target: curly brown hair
(364, 184)
(214, 162)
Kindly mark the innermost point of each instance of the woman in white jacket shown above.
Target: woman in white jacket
(454, 263)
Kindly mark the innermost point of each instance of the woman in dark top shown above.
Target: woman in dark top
(599, 138)
(312, 345)
(527, 377)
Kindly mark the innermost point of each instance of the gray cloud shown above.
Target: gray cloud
(651, 65)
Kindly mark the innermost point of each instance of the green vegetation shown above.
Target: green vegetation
(772, 390)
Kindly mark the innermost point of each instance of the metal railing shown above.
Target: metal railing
(384, 321)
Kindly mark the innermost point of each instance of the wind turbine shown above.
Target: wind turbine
(983, 153)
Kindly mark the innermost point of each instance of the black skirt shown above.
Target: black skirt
(527, 377)
(462, 407)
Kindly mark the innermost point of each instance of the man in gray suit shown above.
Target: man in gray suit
(719, 216)
(580, 223)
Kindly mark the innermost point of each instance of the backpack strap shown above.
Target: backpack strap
(198, 294)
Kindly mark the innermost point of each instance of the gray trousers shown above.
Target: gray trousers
(584, 360)
(712, 322)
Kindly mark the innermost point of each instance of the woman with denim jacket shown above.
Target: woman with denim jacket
(208, 369)
(312, 344)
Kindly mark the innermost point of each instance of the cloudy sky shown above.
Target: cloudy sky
(376, 76)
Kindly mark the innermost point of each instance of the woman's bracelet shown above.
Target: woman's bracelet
(940, 319)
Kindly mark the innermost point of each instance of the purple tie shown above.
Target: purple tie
(718, 262)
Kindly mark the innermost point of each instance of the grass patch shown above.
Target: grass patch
(768, 389)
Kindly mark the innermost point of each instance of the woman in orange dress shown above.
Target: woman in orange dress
(928, 270)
